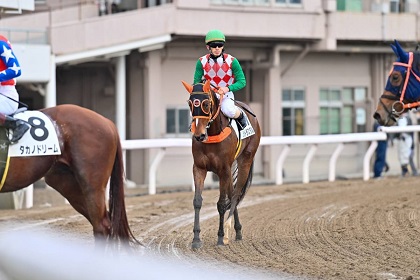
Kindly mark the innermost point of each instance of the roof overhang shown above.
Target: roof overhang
(112, 51)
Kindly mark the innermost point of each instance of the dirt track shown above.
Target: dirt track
(341, 230)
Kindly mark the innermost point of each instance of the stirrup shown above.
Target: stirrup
(241, 120)
(19, 131)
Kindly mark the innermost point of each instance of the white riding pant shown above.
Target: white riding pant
(404, 148)
(8, 106)
(228, 107)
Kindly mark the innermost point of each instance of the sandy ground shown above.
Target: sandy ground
(321, 230)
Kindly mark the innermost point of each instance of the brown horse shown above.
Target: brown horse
(217, 148)
(90, 154)
(402, 90)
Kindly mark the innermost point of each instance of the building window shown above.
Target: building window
(241, 2)
(293, 103)
(342, 110)
(394, 6)
(349, 5)
(178, 121)
(291, 2)
(259, 2)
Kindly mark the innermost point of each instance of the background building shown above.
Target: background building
(312, 67)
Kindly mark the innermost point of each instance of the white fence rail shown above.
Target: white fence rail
(286, 141)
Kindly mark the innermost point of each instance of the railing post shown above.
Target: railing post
(333, 162)
(280, 164)
(307, 162)
(366, 160)
(153, 170)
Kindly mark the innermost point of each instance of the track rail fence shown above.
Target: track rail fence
(25, 200)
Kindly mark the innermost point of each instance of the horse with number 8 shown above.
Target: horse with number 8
(91, 155)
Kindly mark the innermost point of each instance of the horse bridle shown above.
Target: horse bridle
(203, 100)
(399, 97)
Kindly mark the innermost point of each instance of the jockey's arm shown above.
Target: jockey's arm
(199, 72)
(240, 81)
(10, 61)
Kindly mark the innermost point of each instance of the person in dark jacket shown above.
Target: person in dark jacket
(380, 164)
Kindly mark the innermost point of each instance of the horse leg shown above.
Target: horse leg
(226, 190)
(238, 226)
(89, 203)
(227, 230)
(199, 177)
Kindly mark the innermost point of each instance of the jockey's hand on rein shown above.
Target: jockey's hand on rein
(223, 90)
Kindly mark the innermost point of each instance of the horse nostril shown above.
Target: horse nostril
(376, 116)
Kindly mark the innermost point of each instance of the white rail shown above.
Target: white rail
(286, 141)
(313, 140)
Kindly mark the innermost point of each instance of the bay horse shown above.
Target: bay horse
(402, 89)
(91, 154)
(217, 148)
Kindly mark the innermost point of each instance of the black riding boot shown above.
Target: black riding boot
(19, 127)
(241, 120)
(404, 170)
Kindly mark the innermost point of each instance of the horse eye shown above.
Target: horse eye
(205, 106)
(395, 78)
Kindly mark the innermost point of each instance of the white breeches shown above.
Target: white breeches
(8, 106)
(404, 149)
(228, 107)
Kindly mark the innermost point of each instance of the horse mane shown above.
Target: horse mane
(416, 61)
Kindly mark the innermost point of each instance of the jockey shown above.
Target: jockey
(9, 98)
(224, 72)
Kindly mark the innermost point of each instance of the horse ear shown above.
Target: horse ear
(206, 87)
(401, 54)
(394, 49)
(187, 86)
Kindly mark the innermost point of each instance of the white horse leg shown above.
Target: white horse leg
(228, 229)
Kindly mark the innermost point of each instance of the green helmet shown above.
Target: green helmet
(215, 35)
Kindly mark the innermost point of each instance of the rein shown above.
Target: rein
(218, 107)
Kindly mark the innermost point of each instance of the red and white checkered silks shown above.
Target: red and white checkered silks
(220, 73)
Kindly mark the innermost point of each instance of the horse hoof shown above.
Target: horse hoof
(225, 241)
(196, 245)
(221, 241)
(238, 237)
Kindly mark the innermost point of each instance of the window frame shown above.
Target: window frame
(293, 105)
(177, 133)
(342, 105)
(257, 3)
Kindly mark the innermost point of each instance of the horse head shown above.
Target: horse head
(204, 108)
(402, 89)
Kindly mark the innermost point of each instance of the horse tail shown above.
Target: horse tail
(236, 199)
(120, 229)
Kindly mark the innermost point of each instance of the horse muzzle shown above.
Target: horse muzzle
(202, 137)
(387, 120)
